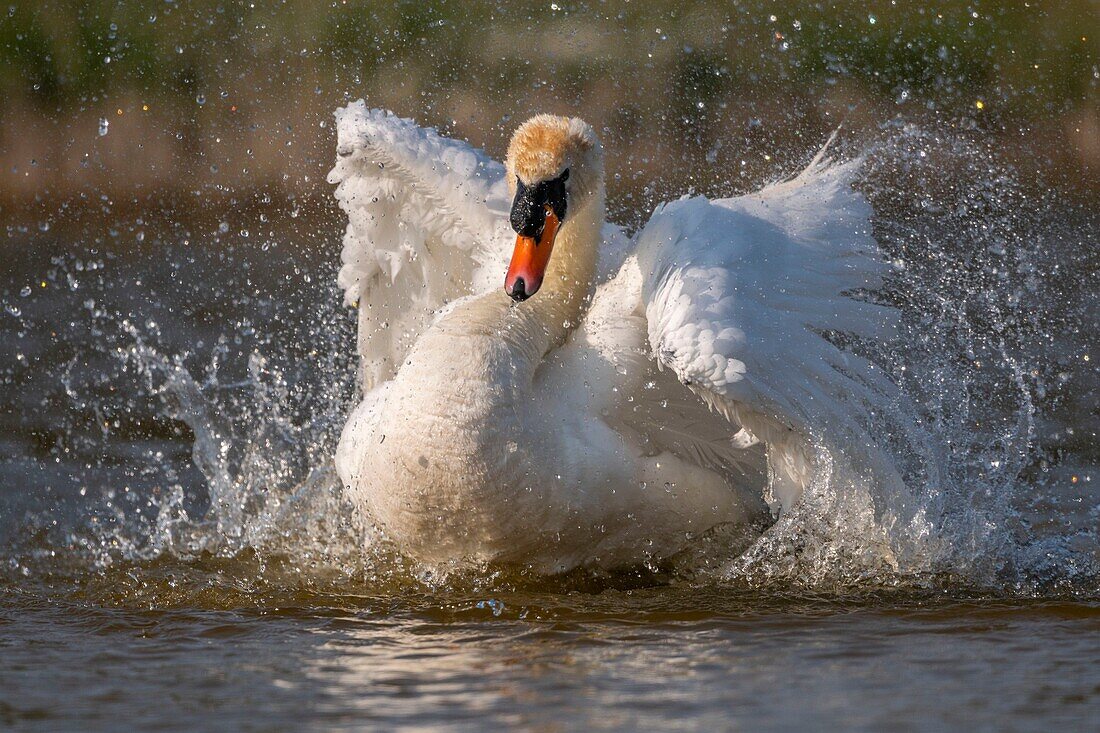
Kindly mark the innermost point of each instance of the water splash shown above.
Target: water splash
(976, 360)
(992, 389)
(269, 477)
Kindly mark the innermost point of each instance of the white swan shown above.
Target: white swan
(650, 390)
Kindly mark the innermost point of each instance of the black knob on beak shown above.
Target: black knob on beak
(528, 214)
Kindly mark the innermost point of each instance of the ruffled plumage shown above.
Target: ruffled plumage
(707, 344)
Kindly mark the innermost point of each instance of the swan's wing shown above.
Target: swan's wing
(427, 223)
(636, 398)
(740, 294)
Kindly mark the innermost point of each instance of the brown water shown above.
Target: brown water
(176, 555)
(130, 592)
(649, 658)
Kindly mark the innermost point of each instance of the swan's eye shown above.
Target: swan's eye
(555, 194)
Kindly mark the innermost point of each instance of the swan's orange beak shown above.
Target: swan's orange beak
(529, 260)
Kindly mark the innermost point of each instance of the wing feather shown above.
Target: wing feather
(426, 225)
(744, 297)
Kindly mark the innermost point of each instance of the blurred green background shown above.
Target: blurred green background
(118, 102)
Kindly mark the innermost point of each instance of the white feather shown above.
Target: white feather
(740, 291)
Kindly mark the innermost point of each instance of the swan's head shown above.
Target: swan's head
(555, 165)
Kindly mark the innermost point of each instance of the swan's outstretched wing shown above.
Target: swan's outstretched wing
(740, 294)
(427, 223)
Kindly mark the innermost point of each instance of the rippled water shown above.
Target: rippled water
(652, 658)
(176, 553)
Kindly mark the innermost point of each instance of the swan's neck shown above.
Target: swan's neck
(559, 305)
(528, 331)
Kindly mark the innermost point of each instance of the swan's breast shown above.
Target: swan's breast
(444, 468)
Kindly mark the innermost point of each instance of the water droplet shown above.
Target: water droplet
(200, 99)
(104, 124)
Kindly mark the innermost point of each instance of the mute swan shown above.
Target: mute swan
(617, 396)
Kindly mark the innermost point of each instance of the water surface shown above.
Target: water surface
(175, 367)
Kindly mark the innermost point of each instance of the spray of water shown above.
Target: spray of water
(981, 362)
